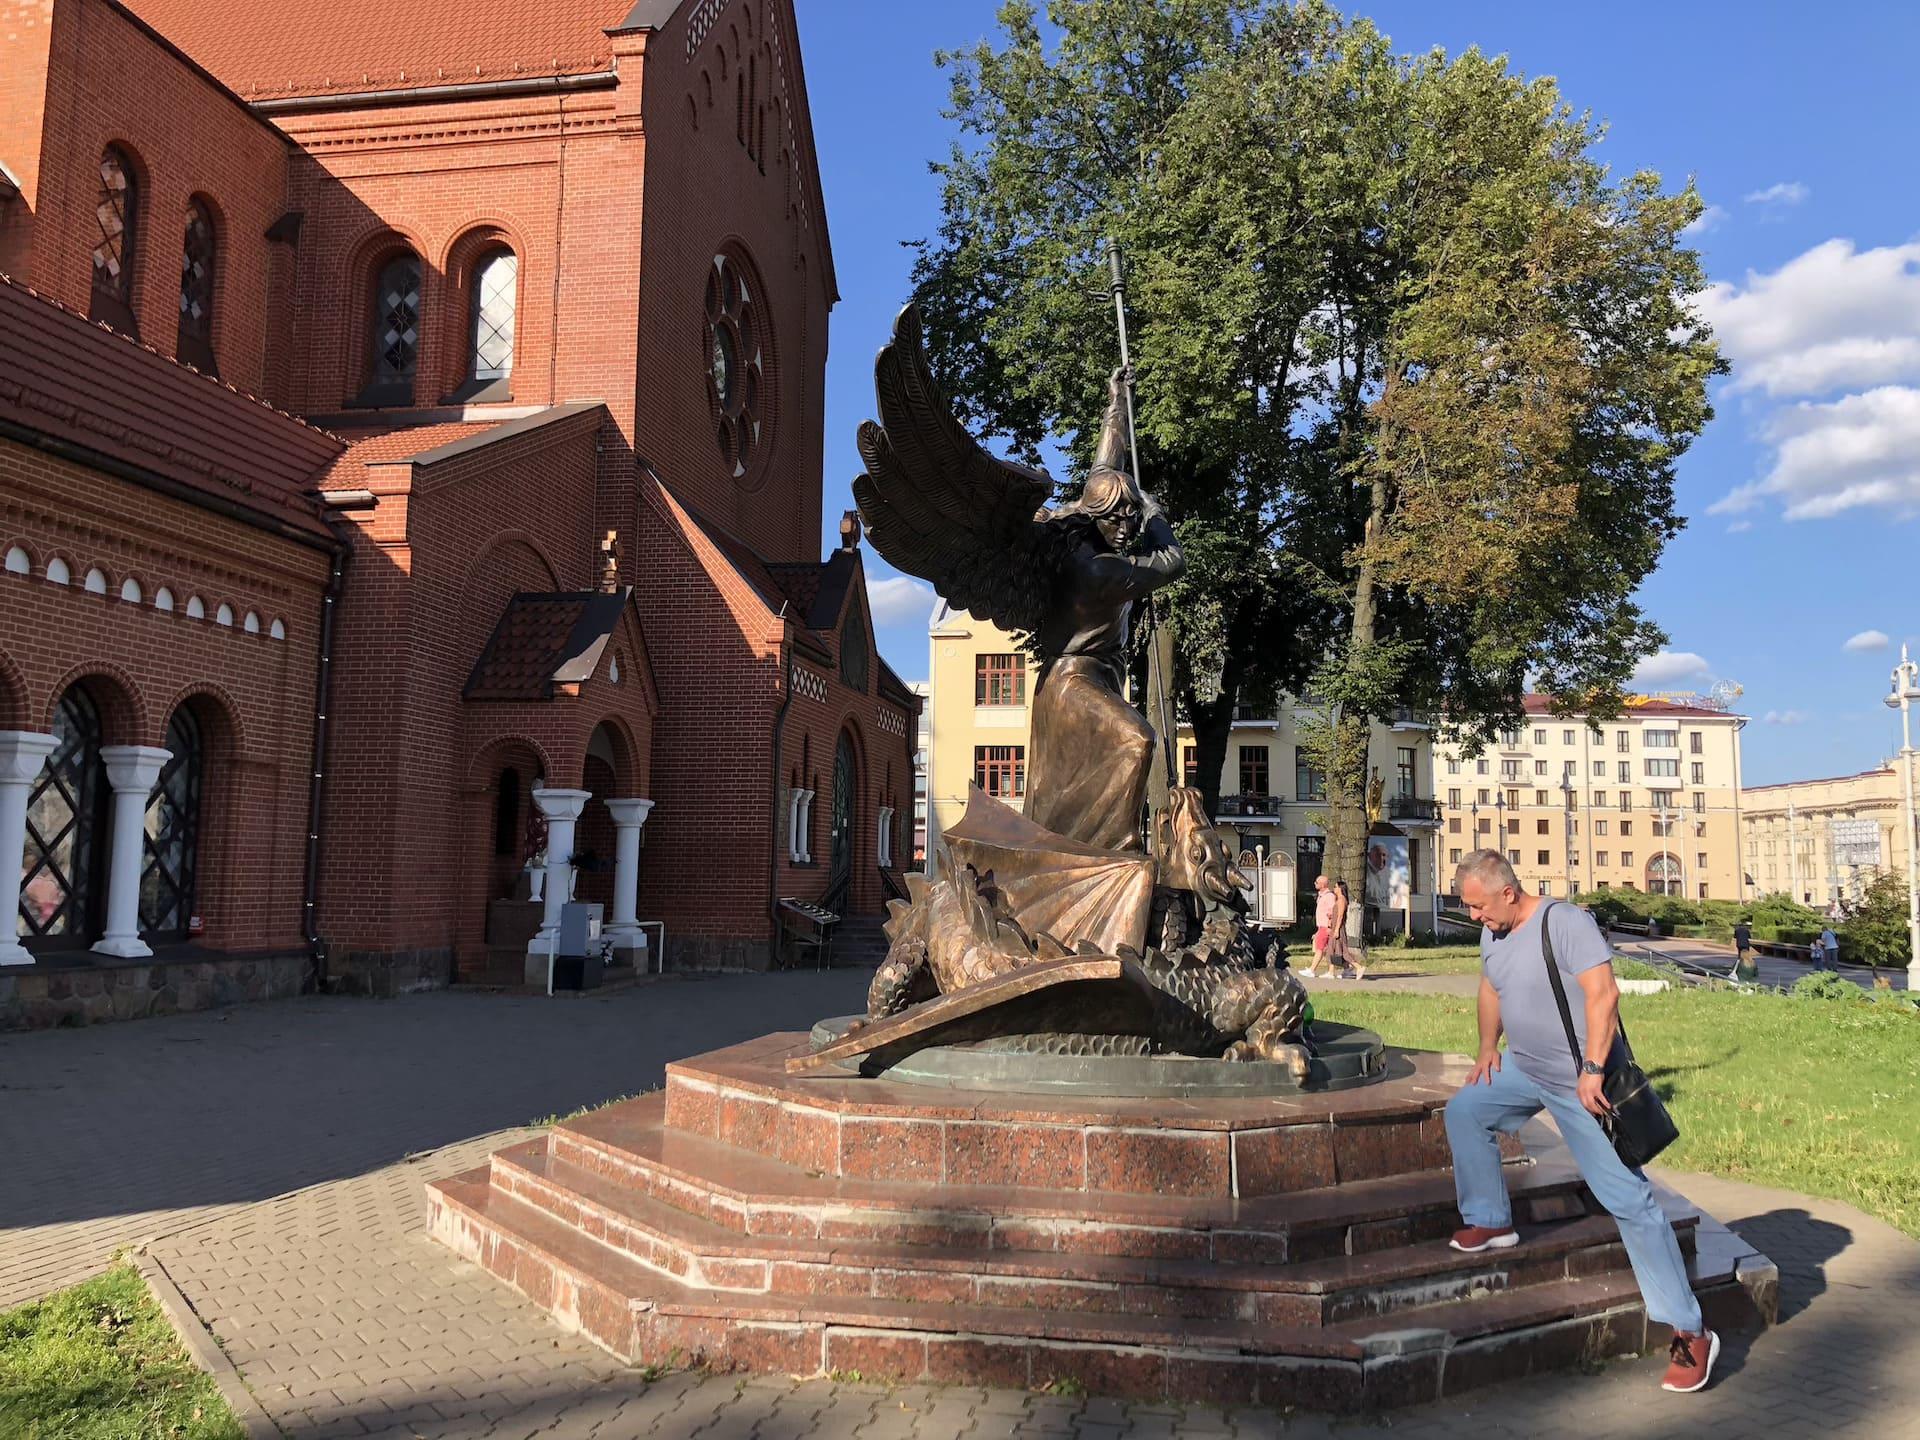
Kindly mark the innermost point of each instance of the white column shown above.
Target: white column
(132, 771)
(624, 930)
(560, 808)
(22, 753)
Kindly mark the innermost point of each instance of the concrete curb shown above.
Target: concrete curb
(204, 1351)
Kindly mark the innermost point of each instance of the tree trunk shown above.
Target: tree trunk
(1347, 773)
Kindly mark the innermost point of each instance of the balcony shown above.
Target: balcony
(1412, 810)
(1255, 715)
(1405, 719)
(1248, 805)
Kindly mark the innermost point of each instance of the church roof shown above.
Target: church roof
(545, 643)
(282, 48)
(82, 387)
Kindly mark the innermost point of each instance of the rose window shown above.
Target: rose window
(736, 359)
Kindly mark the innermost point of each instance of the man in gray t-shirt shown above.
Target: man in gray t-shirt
(1517, 1000)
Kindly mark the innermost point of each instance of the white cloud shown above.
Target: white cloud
(1855, 451)
(1868, 640)
(1832, 318)
(898, 599)
(1784, 717)
(1739, 527)
(1706, 220)
(1784, 192)
(1666, 666)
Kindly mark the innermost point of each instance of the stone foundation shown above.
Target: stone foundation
(94, 989)
(1285, 1250)
(384, 974)
(714, 953)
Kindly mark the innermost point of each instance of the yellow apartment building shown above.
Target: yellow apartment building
(979, 689)
(1650, 801)
(1822, 841)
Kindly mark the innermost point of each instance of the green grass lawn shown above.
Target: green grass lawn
(1816, 1096)
(100, 1362)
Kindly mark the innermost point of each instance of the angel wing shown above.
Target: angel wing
(939, 506)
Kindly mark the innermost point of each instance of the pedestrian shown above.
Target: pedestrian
(1325, 901)
(1830, 949)
(1743, 964)
(1341, 945)
(1521, 935)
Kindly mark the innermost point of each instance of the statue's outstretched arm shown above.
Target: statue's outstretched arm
(1111, 452)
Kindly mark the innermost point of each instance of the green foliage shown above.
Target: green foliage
(100, 1362)
(1816, 1098)
(1825, 985)
(1875, 931)
(1414, 369)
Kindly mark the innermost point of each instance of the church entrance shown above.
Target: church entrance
(840, 867)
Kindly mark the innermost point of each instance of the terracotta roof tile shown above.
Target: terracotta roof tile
(82, 384)
(1641, 706)
(544, 641)
(377, 444)
(276, 47)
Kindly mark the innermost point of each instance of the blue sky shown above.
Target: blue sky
(1803, 496)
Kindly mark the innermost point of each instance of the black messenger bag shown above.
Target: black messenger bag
(1640, 1127)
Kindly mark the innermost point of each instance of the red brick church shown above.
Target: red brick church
(410, 461)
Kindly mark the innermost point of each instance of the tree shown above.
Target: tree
(1875, 930)
(1413, 369)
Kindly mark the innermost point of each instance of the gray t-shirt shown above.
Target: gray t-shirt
(1514, 963)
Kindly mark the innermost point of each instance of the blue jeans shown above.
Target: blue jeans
(1477, 1112)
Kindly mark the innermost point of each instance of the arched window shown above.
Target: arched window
(61, 881)
(495, 287)
(395, 331)
(197, 257)
(118, 213)
(19, 562)
(171, 847)
(130, 590)
(853, 650)
(163, 599)
(58, 573)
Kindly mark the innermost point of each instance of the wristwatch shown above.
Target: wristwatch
(1587, 1067)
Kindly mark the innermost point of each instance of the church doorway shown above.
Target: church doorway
(840, 851)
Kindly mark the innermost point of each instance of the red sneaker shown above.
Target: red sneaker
(1690, 1361)
(1476, 1238)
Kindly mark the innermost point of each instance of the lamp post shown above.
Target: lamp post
(1566, 793)
(1906, 690)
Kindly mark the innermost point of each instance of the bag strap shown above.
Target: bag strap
(1560, 992)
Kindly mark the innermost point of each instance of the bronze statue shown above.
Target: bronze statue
(1068, 880)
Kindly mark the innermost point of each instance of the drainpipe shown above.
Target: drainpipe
(773, 797)
(316, 793)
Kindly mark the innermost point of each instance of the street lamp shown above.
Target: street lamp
(1566, 795)
(1906, 690)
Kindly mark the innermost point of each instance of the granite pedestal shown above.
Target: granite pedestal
(1284, 1249)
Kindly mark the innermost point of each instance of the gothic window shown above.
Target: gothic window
(395, 330)
(197, 255)
(171, 847)
(853, 651)
(736, 364)
(60, 879)
(495, 283)
(118, 215)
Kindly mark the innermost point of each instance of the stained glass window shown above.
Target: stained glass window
(736, 364)
(495, 284)
(118, 216)
(396, 321)
(197, 256)
(59, 873)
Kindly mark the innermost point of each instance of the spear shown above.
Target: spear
(1159, 644)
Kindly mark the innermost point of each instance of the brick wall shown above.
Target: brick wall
(253, 694)
(110, 81)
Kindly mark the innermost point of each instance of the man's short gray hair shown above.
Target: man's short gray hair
(1490, 868)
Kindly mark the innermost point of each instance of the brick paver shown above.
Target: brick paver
(346, 1321)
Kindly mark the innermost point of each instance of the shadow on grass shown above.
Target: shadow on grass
(1661, 1075)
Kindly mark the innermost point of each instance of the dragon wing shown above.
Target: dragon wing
(937, 505)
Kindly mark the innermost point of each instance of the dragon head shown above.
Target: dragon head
(1192, 854)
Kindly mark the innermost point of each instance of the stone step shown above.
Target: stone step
(873, 1128)
(1414, 1354)
(750, 1193)
(697, 1251)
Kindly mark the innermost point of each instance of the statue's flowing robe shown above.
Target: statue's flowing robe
(1092, 750)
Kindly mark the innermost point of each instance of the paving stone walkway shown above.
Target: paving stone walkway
(345, 1320)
